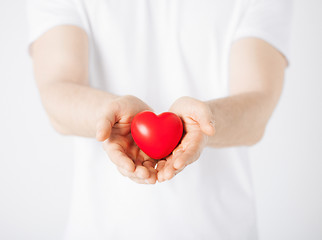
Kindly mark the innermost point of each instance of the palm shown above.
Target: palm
(122, 148)
(198, 122)
(187, 151)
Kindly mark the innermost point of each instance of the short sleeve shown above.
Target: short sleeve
(46, 14)
(269, 20)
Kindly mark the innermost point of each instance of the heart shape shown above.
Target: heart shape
(156, 135)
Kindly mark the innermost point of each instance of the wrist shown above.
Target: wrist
(212, 122)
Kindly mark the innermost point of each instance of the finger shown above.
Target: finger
(124, 172)
(167, 171)
(178, 161)
(207, 126)
(143, 157)
(186, 157)
(103, 129)
(140, 171)
(179, 151)
(198, 111)
(159, 169)
(118, 156)
(136, 179)
(128, 174)
(160, 165)
(204, 117)
(150, 165)
(147, 173)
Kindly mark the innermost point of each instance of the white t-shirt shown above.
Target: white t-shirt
(160, 50)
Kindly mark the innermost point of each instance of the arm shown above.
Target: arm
(256, 79)
(60, 60)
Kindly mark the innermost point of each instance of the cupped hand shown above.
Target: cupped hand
(198, 121)
(114, 128)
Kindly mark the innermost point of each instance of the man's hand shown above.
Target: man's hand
(198, 121)
(60, 58)
(115, 127)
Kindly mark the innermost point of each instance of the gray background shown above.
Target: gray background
(36, 166)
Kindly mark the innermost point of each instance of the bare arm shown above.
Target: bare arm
(256, 80)
(60, 60)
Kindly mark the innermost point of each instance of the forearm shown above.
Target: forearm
(74, 109)
(240, 119)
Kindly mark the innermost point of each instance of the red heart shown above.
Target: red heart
(156, 135)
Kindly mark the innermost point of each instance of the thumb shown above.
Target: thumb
(104, 128)
(208, 127)
(206, 122)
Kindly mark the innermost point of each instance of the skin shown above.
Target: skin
(75, 108)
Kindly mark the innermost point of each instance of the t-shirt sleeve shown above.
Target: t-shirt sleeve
(268, 20)
(46, 14)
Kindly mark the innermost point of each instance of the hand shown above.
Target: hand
(115, 127)
(198, 124)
